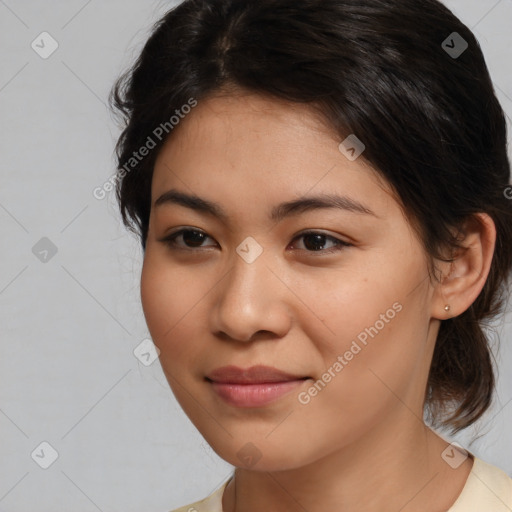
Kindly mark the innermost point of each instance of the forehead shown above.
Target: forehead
(256, 148)
(254, 121)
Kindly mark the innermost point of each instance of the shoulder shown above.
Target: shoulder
(212, 503)
(487, 488)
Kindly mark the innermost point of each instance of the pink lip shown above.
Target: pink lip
(252, 387)
(254, 375)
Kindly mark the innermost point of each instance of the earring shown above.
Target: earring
(447, 307)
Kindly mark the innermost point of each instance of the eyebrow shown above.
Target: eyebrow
(278, 212)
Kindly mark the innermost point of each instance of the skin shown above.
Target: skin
(360, 443)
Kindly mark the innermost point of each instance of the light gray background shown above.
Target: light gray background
(68, 375)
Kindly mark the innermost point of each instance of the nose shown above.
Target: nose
(251, 300)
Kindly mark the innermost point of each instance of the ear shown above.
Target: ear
(464, 278)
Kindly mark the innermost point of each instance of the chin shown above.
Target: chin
(260, 455)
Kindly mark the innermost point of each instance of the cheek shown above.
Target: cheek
(377, 367)
(375, 335)
(346, 306)
(168, 302)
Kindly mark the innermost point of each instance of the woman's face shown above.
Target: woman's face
(348, 307)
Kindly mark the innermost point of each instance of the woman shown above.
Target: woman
(318, 187)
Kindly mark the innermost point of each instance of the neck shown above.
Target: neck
(381, 471)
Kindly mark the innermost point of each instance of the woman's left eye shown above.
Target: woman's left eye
(314, 241)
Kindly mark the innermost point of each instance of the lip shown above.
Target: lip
(254, 375)
(252, 387)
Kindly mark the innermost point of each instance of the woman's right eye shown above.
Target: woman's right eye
(192, 238)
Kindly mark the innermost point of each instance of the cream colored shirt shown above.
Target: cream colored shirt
(487, 489)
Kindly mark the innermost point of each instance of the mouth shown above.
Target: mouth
(254, 375)
(252, 387)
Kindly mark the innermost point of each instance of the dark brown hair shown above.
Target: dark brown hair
(380, 69)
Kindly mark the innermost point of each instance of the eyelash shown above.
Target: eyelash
(170, 241)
